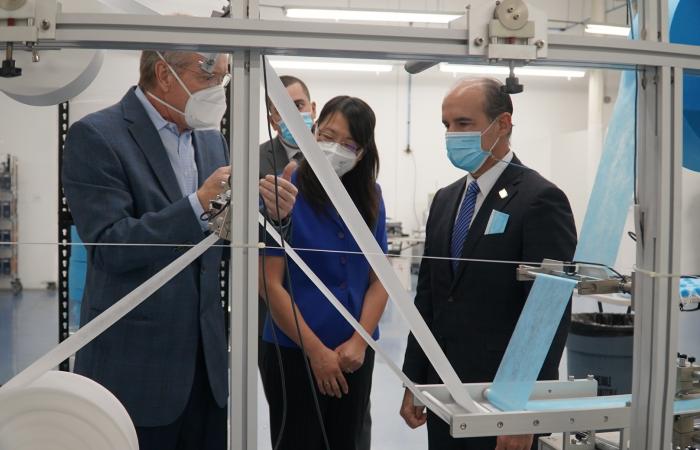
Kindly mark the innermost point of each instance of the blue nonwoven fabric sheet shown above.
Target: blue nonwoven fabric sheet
(611, 198)
(610, 401)
(530, 342)
(684, 30)
(689, 288)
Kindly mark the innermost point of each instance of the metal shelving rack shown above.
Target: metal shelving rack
(9, 268)
(65, 220)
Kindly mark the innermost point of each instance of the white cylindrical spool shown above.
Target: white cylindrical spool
(58, 76)
(64, 411)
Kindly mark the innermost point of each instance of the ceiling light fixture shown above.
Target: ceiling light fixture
(369, 15)
(519, 71)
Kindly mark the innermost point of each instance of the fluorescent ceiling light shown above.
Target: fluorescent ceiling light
(612, 30)
(338, 66)
(369, 15)
(519, 71)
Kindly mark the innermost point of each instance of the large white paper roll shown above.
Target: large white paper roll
(64, 411)
(59, 76)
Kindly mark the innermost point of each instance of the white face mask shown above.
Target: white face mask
(342, 159)
(204, 109)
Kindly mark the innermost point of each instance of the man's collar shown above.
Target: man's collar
(158, 120)
(489, 178)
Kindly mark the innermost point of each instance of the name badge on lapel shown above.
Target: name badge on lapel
(497, 222)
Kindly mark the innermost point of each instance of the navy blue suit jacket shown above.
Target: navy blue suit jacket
(473, 312)
(121, 188)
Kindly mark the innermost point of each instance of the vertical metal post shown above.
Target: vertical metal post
(658, 250)
(244, 142)
(244, 104)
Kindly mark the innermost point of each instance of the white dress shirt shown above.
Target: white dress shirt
(486, 182)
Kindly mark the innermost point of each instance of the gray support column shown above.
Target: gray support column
(245, 110)
(658, 250)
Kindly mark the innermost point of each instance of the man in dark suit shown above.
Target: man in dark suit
(472, 307)
(141, 172)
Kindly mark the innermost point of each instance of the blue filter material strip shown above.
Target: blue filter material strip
(613, 190)
(530, 342)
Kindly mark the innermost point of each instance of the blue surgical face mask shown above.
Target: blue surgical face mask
(287, 135)
(464, 149)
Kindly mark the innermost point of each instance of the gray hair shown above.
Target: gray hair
(147, 66)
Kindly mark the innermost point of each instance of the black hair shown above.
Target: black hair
(496, 102)
(360, 182)
(288, 80)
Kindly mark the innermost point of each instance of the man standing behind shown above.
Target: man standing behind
(277, 153)
(139, 174)
(472, 307)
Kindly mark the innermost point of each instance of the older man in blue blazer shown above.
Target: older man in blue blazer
(141, 173)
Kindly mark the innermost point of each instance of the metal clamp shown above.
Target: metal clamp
(586, 284)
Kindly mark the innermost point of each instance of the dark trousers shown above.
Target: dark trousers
(201, 426)
(343, 418)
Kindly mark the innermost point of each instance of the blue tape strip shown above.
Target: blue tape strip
(530, 342)
(610, 401)
(686, 406)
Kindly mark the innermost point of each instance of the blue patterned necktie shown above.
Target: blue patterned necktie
(464, 219)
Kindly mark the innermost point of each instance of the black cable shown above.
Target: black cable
(619, 275)
(312, 383)
(275, 339)
(630, 19)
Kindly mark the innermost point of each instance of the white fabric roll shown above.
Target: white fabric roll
(59, 76)
(64, 411)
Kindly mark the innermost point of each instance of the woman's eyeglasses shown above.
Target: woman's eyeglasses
(329, 136)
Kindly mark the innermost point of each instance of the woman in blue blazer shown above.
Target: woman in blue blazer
(340, 361)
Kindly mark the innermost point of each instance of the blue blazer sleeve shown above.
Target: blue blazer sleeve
(101, 200)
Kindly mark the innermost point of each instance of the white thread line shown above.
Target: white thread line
(653, 274)
(261, 246)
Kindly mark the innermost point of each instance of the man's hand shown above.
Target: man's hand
(287, 193)
(515, 442)
(351, 353)
(415, 416)
(213, 186)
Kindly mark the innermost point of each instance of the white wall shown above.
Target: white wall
(31, 134)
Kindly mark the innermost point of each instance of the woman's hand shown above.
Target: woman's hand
(325, 364)
(351, 353)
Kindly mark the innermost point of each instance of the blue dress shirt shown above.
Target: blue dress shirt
(346, 275)
(180, 152)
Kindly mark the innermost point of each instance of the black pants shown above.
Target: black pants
(201, 426)
(343, 418)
